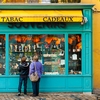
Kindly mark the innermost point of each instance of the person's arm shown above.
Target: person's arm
(31, 68)
(19, 68)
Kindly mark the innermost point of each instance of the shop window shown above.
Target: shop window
(2, 54)
(74, 51)
(50, 48)
(20, 45)
(54, 55)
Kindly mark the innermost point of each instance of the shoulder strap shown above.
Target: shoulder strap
(34, 65)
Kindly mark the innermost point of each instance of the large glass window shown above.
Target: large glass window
(20, 45)
(54, 54)
(74, 51)
(2, 54)
(50, 48)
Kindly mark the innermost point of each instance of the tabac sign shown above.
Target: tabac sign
(43, 19)
(41, 16)
(11, 19)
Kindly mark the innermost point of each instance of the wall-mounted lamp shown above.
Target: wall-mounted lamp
(85, 20)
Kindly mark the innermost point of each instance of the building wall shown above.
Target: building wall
(96, 49)
(96, 42)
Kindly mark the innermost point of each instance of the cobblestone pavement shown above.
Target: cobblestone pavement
(49, 96)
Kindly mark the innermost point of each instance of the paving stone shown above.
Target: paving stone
(49, 96)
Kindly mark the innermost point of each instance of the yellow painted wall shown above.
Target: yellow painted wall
(96, 2)
(96, 50)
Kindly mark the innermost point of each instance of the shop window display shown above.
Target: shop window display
(50, 48)
(2, 54)
(75, 48)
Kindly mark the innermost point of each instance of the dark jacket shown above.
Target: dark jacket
(24, 69)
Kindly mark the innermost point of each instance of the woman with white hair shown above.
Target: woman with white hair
(38, 65)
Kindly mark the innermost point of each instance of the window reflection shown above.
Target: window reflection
(75, 48)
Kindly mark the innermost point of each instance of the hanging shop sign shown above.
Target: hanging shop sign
(41, 16)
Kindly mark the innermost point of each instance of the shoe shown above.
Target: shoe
(33, 95)
(25, 93)
(19, 94)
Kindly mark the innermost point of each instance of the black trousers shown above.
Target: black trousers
(35, 87)
(21, 80)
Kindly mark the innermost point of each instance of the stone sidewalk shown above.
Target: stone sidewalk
(49, 96)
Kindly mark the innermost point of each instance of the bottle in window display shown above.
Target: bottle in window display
(19, 47)
(22, 47)
(29, 47)
(11, 47)
(0, 42)
(34, 47)
(26, 48)
(15, 48)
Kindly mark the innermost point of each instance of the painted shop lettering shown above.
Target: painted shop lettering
(12, 19)
(39, 25)
(58, 19)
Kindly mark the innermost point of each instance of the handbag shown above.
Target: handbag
(34, 76)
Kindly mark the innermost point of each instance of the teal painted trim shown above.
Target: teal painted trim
(45, 6)
(88, 24)
(87, 84)
(7, 54)
(92, 82)
(83, 53)
(90, 58)
(66, 54)
(46, 76)
(39, 31)
(50, 84)
(90, 53)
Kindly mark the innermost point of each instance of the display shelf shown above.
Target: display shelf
(20, 52)
(53, 64)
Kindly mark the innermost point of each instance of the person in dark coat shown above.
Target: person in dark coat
(23, 75)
